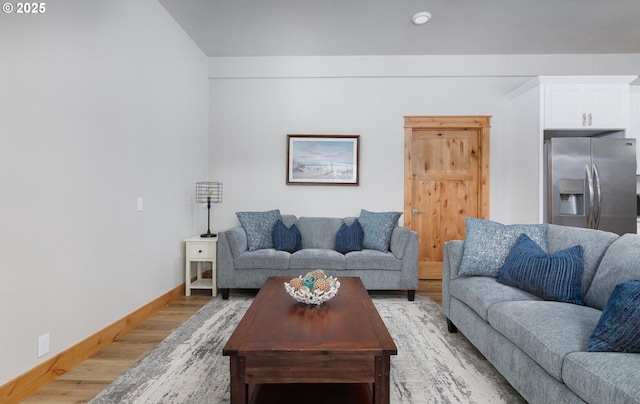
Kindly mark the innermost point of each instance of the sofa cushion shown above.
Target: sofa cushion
(267, 258)
(620, 263)
(286, 238)
(552, 277)
(349, 220)
(349, 238)
(603, 377)
(288, 220)
(259, 227)
(546, 331)
(319, 232)
(488, 243)
(619, 327)
(481, 292)
(378, 227)
(314, 258)
(594, 243)
(372, 259)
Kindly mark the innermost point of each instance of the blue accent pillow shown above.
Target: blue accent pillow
(286, 238)
(349, 238)
(259, 228)
(488, 243)
(377, 228)
(552, 277)
(618, 329)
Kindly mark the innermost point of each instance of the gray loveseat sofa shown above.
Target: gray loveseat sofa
(540, 346)
(396, 269)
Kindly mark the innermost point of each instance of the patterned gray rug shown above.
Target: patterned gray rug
(432, 366)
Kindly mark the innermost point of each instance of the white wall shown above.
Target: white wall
(523, 179)
(256, 102)
(101, 102)
(251, 118)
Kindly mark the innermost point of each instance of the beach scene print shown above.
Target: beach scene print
(313, 160)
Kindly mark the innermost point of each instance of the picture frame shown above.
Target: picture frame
(323, 160)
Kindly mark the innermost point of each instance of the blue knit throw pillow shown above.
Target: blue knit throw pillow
(618, 329)
(378, 228)
(349, 238)
(286, 238)
(259, 228)
(552, 277)
(488, 243)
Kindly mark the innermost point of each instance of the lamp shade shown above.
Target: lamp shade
(208, 192)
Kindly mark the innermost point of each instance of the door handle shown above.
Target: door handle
(416, 212)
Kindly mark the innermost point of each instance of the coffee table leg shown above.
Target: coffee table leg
(238, 386)
(381, 386)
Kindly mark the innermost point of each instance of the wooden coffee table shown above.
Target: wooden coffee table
(282, 347)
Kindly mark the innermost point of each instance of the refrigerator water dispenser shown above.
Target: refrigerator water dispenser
(571, 197)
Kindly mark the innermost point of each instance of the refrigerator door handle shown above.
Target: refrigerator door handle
(591, 196)
(596, 177)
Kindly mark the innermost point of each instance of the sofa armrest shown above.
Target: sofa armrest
(231, 243)
(404, 246)
(451, 259)
(236, 237)
(400, 240)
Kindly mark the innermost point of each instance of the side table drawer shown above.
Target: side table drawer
(200, 250)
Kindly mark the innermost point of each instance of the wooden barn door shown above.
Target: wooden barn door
(446, 179)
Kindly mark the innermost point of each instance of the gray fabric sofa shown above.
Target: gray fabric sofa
(239, 268)
(540, 346)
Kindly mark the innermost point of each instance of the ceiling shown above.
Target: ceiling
(383, 27)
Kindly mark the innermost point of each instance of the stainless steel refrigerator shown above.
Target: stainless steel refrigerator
(591, 182)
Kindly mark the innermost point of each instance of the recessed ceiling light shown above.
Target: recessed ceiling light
(421, 18)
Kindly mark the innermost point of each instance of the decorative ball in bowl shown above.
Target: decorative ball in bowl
(313, 288)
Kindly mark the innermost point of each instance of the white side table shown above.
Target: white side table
(199, 250)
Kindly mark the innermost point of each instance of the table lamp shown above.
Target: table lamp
(208, 192)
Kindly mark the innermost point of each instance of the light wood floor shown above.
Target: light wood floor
(84, 381)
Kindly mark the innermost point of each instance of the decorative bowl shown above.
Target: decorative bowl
(313, 288)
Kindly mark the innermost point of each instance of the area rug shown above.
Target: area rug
(432, 366)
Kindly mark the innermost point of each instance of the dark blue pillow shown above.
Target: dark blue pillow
(286, 238)
(619, 327)
(349, 238)
(552, 277)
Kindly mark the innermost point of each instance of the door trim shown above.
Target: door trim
(441, 126)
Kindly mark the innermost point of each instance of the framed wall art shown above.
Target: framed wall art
(323, 159)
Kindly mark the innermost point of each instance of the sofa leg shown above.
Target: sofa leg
(225, 293)
(451, 327)
(411, 295)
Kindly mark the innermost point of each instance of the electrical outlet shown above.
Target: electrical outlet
(43, 344)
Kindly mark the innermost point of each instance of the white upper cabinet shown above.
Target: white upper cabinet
(559, 106)
(586, 106)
